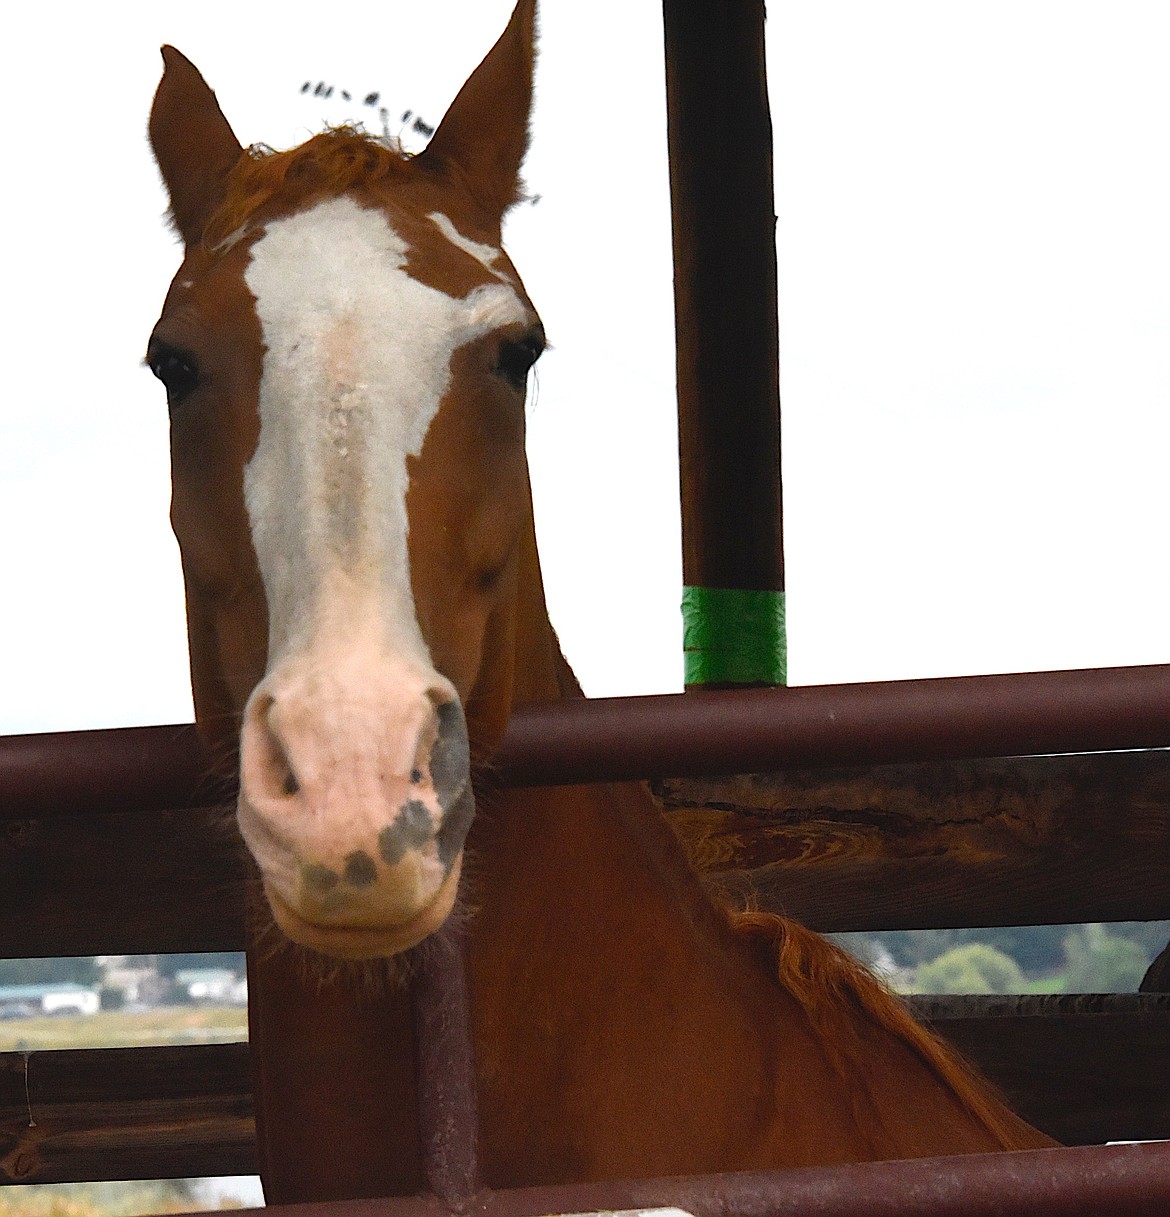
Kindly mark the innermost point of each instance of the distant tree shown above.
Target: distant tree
(1101, 962)
(1151, 936)
(79, 970)
(973, 968)
(1038, 949)
(913, 947)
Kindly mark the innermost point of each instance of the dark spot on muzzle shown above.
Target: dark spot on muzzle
(320, 878)
(411, 830)
(360, 869)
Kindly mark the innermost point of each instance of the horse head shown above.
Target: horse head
(345, 351)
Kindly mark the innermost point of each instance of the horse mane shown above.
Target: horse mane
(332, 162)
(832, 988)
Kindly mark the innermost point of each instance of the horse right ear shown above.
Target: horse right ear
(193, 144)
(484, 135)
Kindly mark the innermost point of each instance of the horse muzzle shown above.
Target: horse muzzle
(355, 801)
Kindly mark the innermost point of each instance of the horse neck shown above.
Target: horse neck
(618, 824)
(594, 879)
(540, 673)
(582, 895)
(540, 670)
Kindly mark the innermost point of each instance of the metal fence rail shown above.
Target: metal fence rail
(673, 735)
(52, 776)
(1101, 1181)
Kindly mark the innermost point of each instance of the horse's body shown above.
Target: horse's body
(344, 350)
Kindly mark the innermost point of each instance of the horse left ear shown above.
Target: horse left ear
(484, 135)
(193, 144)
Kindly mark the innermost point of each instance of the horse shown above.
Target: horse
(345, 351)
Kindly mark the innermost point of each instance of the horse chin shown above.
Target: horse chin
(366, 942)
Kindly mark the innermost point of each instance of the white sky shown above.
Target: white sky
(975, 328)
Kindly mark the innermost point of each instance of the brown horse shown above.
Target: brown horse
(345, 351)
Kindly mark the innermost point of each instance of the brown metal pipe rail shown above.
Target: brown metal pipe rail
(723, 220)
(1117, 1180)
(763, 730)
(675, 735)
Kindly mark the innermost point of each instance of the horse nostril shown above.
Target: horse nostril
(450, 761)
(279, 759)
(266, 767)
(450, 766)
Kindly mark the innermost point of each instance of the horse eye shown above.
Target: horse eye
(516, 358)
(177, 370)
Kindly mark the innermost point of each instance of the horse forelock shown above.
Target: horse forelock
(330, 163)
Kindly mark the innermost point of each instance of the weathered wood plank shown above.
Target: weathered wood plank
(1019, 841)
(1005, 842)
(126, 1113)
(1086, 1069)
(121, 883)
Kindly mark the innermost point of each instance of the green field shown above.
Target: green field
(117, 1029)
(98, 1199)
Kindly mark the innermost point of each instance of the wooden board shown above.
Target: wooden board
(126, 1113)
(974, 843)
(1018, 841)
(121, 883)
(1084, 1069)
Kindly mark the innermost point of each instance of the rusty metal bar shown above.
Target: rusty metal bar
(120, 769)
(1121, 1181)
(723, 219)
(762, 730)
(448, 1112)
(1118, 1180)
(674, 735)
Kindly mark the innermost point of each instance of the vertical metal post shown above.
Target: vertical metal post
(719, 133)
(448, 1116)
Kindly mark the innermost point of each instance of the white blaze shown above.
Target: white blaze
(485, 255)
(357, 361)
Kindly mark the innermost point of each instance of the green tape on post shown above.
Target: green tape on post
(734, 637)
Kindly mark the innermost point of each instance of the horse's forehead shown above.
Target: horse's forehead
(208, 303)
(434, 244)
(417, 274)
(446, 253)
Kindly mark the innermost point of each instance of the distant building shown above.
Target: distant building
(213, 985)
(26, 1001)
(136, 978)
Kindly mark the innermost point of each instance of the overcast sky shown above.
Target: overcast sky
(975, 327)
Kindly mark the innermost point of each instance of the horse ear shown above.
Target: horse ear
(193, 144)
(484, 135)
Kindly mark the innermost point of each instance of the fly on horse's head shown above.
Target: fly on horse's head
(345, 352)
